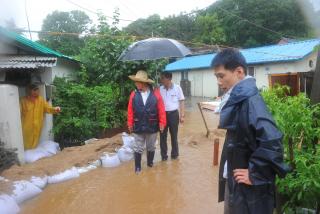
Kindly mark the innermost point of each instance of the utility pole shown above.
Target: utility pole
(315, 91)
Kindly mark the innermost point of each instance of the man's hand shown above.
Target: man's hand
(242, 176)
(182, 119)
(130, 128)
(161, 127)
(57, 109)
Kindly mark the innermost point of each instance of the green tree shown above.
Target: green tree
(180, 27)
(282, 16)
(66, 22)
(209, 30)
(100, 60)
(146, 27)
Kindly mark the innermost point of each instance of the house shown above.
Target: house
(23, 61)
(291, 64)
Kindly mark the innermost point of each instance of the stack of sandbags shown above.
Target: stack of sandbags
(44, 149)
(125, 154)
(64, 176)
(128, 140)
(110, 160)
(24, 190)
(8, 205)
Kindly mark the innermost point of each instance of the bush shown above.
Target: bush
(299, 121)
(86, 111)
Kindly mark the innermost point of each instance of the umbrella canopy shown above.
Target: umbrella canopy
(154, 48)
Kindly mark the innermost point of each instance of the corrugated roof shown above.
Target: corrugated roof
(31, 44)
(27, 62)
(267, 54)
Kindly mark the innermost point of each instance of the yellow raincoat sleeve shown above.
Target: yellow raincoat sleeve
(48, 108)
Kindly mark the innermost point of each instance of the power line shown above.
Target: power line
(27, 17)
(96, 13)
(252, 23)
(145, 37)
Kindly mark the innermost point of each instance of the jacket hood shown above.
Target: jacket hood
(243, 90)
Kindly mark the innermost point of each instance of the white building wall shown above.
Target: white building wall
(262, 72)
(204, 83)
(176, 77)
(7, 49)
(47, 79)
(65, 68)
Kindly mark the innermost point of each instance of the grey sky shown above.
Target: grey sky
(129, 9)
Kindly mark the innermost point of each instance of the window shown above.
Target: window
(311, 64)
(251, 71)
(184, 75)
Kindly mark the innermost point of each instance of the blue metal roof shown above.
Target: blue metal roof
(267, 54)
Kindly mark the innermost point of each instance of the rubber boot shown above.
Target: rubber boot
(137, 162)
(150, 156)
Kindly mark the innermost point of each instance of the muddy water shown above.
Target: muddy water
(187, 185)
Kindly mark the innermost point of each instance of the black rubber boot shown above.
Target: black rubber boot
(150, 156)
(137, 162)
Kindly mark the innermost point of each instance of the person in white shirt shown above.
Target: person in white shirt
(173, 99)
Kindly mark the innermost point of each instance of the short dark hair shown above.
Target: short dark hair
(230, 59)
(33, 86)
(167, 75)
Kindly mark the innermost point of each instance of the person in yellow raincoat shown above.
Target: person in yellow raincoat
(33, 107)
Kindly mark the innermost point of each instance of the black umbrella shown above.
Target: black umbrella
(154, 48)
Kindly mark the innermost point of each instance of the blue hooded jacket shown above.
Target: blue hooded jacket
(253, 141)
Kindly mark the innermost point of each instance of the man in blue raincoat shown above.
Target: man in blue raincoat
(252, 153)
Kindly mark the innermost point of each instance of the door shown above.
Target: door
(291, 80)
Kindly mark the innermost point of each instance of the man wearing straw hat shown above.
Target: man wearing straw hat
(146, 116)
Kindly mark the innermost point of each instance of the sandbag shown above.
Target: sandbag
(8, 205)
(64, 176)
(110, 160)
(39, 182)
(50, 147)
(127, 140)
(24, 190)
(96, 163)
(125, 154)
(33, 155)
(86, 168)
(44, 149)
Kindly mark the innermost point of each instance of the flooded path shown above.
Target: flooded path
(187, 185)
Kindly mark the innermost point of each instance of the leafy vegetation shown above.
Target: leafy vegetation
(75, 22)
(233, 23)
(87, 111)
(98, 99)
(299, 121)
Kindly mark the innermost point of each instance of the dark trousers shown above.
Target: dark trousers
(251, 200)
(172, 126)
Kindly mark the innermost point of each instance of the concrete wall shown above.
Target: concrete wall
(7, 49)
(65, 68)
(262, 72)
(47, 79)
(204, 83)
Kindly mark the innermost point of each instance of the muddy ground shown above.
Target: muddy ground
(187, 185)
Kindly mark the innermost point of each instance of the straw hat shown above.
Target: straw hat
(141, 76)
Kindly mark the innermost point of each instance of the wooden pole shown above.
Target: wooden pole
(216, 152)
(315, 91)
(204, 120)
